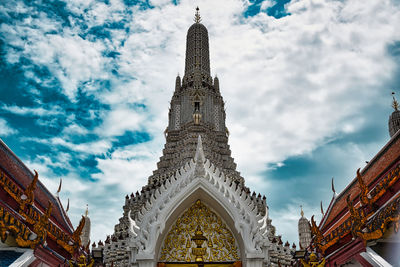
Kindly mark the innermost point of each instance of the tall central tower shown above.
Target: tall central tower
(197, 108)
(195, 194)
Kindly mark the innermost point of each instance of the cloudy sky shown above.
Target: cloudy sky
(85, 89)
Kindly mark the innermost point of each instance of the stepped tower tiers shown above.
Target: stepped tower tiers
(196, 206)
(197, 108)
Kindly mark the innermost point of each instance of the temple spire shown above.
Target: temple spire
(197, 61)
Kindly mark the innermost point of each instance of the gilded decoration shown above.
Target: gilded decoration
(199, 234)
(364, 190)
(81, 262)
(313, 261)
(365, 222)
(42, 228)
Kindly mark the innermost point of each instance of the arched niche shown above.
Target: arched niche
(217, 205)
(199, 234)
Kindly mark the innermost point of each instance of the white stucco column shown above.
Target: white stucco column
(254, 260)
(146, 260)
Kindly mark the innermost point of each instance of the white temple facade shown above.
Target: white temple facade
(195, 210)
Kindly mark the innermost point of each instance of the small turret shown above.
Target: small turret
(216, 84)
(304, 231)
(394, 119)
(177, 83)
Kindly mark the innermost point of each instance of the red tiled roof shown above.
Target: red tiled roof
(22, 176)
(375, 169)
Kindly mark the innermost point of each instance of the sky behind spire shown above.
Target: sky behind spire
(307, 83)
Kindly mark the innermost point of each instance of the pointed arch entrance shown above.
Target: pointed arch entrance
(199, 237)
(198, 179)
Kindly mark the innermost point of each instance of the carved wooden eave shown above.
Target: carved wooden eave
(326, 221)
(28, 224)
(363, 219)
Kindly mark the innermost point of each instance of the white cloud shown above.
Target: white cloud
(75, 129)
(5, 129)
(119, 120)
(290, 84)
(94, 147)
(37, 111)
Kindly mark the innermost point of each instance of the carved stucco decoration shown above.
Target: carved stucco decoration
(199, 173)
(220, 245)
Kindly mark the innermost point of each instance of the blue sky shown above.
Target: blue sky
(86, 87)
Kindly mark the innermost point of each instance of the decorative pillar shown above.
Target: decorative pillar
(150, 262)
(254, 261)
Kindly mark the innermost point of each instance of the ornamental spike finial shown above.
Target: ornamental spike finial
(59, 187)
(333, 187)
(67, 209)
(322, 209)
(301, 212)
(395, 104)
(197, 17)
(87, 210)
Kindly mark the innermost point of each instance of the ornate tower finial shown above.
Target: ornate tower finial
(197, 17)
(302, 212)
(87, 210)
(395, 104)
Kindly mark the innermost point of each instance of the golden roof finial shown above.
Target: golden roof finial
(302, 213)
(87, 210)
(197, 17)
(395, 104)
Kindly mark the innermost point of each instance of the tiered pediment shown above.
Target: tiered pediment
(198, 179)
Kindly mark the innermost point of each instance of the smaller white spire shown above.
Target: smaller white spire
(85, 235)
